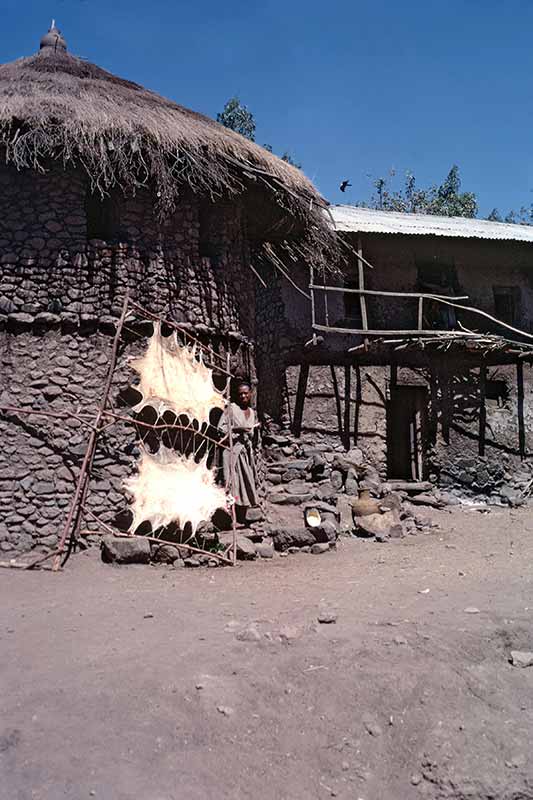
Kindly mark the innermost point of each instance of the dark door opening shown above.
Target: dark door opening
(406, 428)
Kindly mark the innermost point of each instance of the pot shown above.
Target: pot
(365, 505)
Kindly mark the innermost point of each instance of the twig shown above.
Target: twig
(53, 414)
(162, 426)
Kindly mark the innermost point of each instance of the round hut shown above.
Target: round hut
(107, 188)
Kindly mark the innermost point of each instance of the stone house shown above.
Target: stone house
(403, 356)
(105, 188)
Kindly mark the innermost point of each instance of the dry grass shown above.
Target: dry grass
(55, 106)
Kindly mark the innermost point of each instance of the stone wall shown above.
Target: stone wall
(60, 296)
(348, 405)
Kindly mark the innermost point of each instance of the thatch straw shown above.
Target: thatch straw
(57, 107)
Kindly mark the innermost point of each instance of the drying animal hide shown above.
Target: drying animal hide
(170, 487)
(173, 378)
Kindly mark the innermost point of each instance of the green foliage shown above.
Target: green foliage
(495, 216)
(290, 160)
(446, 200)
(524, 216)
(238, 118)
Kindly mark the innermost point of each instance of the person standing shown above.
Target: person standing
(239, 463)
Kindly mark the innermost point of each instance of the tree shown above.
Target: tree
(495, 216)
(238, 118)
(446, 199)
(524, 216)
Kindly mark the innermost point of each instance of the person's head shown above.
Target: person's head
(244, 394)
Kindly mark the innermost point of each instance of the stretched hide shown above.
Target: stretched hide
(174, 378)
(170, 487)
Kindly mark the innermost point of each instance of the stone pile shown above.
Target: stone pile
(330, 479)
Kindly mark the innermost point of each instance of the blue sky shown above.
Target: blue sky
(351, 89)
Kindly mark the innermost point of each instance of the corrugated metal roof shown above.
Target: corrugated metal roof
(368, 220)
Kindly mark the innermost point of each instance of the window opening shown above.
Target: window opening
(103, 217)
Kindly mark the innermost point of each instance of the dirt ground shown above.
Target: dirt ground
(132, 682)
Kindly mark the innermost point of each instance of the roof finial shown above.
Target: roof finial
(53, 39)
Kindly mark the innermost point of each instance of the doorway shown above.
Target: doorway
(406, 428)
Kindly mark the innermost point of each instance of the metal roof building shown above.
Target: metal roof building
(367, 220)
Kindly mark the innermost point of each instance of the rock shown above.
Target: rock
(348, 461)
(391, 502)
(371, 726)
(249, 634)
(285, 538)
(327, 492)
(290, 499)
(191, 562)
(336, 480)
(264, 550)
(125, 550)
(521, 658)
(325, 533)
(298, 487)
(400, 640)
(279, 440)
(290, 475)
(245, 549)
(327, 617)
(254, 514)
(225, 710)
(320, 547)
(471, 610)
(289, 634)
(416, 778)
(273, 478)
(382, 526)
(164, 553)
(351, 485)
(512, 497)
(425, 500)
(411, 487)
(344, 510)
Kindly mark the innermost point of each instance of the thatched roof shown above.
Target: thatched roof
(55, 106)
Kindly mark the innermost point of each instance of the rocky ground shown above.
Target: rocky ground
(375, 671)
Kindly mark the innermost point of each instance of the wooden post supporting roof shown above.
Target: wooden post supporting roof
(520, 396)
(482, 408)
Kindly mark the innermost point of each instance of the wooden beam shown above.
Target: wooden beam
(381, 332)
(300, 399)
(520, 397)
(482, 408)
(326, 288)
(361, 278)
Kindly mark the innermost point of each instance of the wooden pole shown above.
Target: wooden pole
(82, 483)
(482, 408)
(520, 398)
(344, 290)
(312, 290)
(231, 467)
(420, 312)
(300, 398)
(361, 281)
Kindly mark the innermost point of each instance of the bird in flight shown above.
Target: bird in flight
(344, 185)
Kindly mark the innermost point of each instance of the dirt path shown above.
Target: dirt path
(122, 683)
